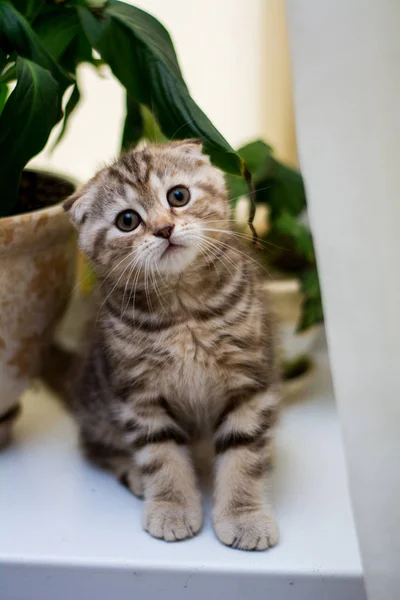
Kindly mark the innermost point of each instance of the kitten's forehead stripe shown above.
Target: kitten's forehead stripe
(131, 168)
(146, 161)
(132, 198)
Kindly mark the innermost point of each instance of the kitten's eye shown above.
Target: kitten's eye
(128, 220)
(178, 196)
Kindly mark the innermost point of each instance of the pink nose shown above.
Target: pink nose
(165, 232)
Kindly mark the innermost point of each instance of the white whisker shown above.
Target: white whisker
(113, 288)
(181, 127)
(244, 256)
(223, 258)
(134, 265)
(146, 287)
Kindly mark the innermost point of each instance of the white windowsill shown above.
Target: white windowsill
(69, 531)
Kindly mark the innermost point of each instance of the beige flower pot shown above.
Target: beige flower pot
(37, 266)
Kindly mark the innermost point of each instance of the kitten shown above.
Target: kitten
(182, 347)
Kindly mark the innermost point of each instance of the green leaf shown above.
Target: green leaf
(310, 284)
(237, 188)
(257, 156)
(73, 101)
(293, 188)
(133, 126)
(3, 60)
(272, 192)
(145, 28)
(3, 96)
(28, 117)
(141, 55)
(79, 51)
(61, 33)
(151, 129)
(283, 190)
(57, 29)
(18, 36)
(287, 225)
(312, 310)
(276, 184)
(28, 8)
(10, 74)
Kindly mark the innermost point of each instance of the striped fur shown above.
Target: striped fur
(181, 349)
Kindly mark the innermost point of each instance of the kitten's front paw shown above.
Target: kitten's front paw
(255, 530)
(170, 521)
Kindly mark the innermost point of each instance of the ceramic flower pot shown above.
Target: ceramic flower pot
(37, 266)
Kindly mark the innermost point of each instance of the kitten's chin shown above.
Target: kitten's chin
(176, 258)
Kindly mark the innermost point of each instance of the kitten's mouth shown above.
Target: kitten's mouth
(172, 248)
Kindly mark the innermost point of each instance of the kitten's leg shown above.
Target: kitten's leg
(117, 461)
(172, 509)
(242, 516)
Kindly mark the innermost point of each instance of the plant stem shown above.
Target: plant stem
(252, 212)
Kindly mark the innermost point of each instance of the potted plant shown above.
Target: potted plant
(42, 44)
(286, 253)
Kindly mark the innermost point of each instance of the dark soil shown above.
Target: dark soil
(39, 190)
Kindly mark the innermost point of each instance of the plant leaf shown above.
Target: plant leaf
(57, 29)
(151, 129)
(72, 103)
(62, 35)
(149, 31)
(151, 75)
(312, 310)
(237, 188)
(29, 115)
(3, 96)
(9, 74)
(293, 188)
(282, 190)
(16, 35)
(133, 126)
(28, 8)
(78, 51)
(257, 156)
(287, 225)
(3, 60)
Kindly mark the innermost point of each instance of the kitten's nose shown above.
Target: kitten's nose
(165, 232)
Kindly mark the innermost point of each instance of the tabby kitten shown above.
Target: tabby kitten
(182, 347)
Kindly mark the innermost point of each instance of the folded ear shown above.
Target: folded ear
(77, 205)
(189, 146)
(141, 145)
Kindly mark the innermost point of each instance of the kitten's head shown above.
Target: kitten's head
(151, 210)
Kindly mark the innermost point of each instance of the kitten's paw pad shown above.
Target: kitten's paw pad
(133, 481)
(248, 531)
(171, 522)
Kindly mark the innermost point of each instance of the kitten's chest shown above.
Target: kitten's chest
(196, 373)
(195, 347)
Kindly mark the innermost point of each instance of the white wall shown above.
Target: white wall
(346, 57)
(224, 58)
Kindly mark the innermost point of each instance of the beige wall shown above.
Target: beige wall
(277, 124)
(234, 58)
